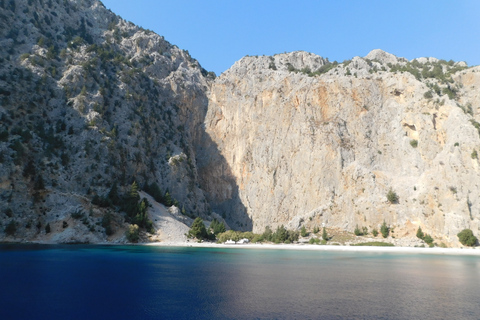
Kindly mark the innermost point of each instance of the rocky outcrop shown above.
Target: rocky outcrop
(328, 148)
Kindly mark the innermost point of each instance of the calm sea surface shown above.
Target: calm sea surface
(138, 282)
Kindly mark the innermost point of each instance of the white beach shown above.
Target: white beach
(309, 247)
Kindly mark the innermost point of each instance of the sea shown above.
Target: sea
(150, 282)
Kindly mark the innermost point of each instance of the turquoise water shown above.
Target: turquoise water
(138, 282)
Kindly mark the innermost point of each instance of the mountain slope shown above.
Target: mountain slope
(89, 100)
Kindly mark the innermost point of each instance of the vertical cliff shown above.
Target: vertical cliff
(308, 141)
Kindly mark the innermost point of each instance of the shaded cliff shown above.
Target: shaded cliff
(89, 101)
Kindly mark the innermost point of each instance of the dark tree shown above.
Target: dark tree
(385, 230)
(420, 234)
(467, 238)
(198, 230)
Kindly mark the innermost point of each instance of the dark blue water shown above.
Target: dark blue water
(134, 282)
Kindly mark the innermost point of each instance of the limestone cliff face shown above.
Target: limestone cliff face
(328, 147)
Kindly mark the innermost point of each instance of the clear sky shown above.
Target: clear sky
(219, 32)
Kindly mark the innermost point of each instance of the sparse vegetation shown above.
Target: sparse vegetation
(392, 197)
(414, 143)
(428, 94)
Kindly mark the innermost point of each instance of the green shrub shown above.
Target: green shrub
(467, 238)
(375, 232)
(428, 94)
(392, 197)
(385, 230)
(428, 239)
(314, 241)
(420, 234)
(474, 154)
(414, 143)
(450, 92)
(133, 233)
(303, 232)
(47, 228)
(357, 231)
(324, 234)
(231, 235)
(315, 229)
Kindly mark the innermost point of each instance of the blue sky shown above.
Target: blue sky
(219, 32)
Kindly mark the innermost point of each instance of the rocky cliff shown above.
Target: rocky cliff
(89, 101)
(92, 106)
(310, 142)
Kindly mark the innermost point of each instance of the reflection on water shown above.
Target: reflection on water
(79, 282)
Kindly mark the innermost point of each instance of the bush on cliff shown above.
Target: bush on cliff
(467, 238)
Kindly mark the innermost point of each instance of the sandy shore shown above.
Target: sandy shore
(443, 251)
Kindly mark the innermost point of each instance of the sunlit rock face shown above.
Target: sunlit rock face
(327, 147)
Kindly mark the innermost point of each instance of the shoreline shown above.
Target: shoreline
(270, 246)
(310, 247)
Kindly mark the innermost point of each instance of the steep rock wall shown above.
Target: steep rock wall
(328, 148)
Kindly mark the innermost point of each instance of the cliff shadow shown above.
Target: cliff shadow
(216, 179)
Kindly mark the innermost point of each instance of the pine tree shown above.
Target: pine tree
(384, 230)
(113, 194)
(168, 199)
(357, 231)
(324, 234)
(303, 232)
(420, 234)
(198, 229)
